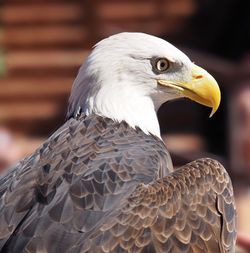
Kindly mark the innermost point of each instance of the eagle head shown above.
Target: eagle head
(128, 76)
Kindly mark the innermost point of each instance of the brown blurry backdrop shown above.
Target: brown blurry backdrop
(43, 43)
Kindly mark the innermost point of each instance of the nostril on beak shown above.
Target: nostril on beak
(199, 77)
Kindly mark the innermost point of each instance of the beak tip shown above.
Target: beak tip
(214, 109)
(216, 103)
(212, 113)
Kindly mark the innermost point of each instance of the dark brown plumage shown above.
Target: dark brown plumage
(101, 186)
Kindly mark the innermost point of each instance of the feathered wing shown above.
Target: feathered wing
(78, 179)
(17, 196)
(190, 210)
(92, 189)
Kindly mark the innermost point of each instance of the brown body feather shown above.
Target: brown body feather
(100, 186)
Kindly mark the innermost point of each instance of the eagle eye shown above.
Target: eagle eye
(161, 65)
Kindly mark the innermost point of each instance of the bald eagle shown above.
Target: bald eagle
(104, 181)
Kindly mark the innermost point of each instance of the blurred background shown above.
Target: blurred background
(43, 43)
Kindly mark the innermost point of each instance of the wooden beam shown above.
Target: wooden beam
(34, 87)
(44, 36)
(43, 61)
(177, 8)
(125, 10)
(141, 10)
(28, 110)
(41, 13)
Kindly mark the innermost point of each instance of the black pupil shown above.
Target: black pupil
(162, 64)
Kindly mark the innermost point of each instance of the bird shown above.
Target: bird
(104, 181)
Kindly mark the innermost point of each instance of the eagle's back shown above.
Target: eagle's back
(79, 178)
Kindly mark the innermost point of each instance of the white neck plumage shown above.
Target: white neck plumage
(135, 109)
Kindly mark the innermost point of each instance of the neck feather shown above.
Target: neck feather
(135, 110)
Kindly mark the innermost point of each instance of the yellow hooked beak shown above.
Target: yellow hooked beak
(202, 89)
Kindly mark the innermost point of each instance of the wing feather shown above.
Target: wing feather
(75, 182)
(82, 193)
(190, 210)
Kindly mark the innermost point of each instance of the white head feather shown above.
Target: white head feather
(117, 80)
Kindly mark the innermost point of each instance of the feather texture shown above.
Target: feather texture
(101, 186)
